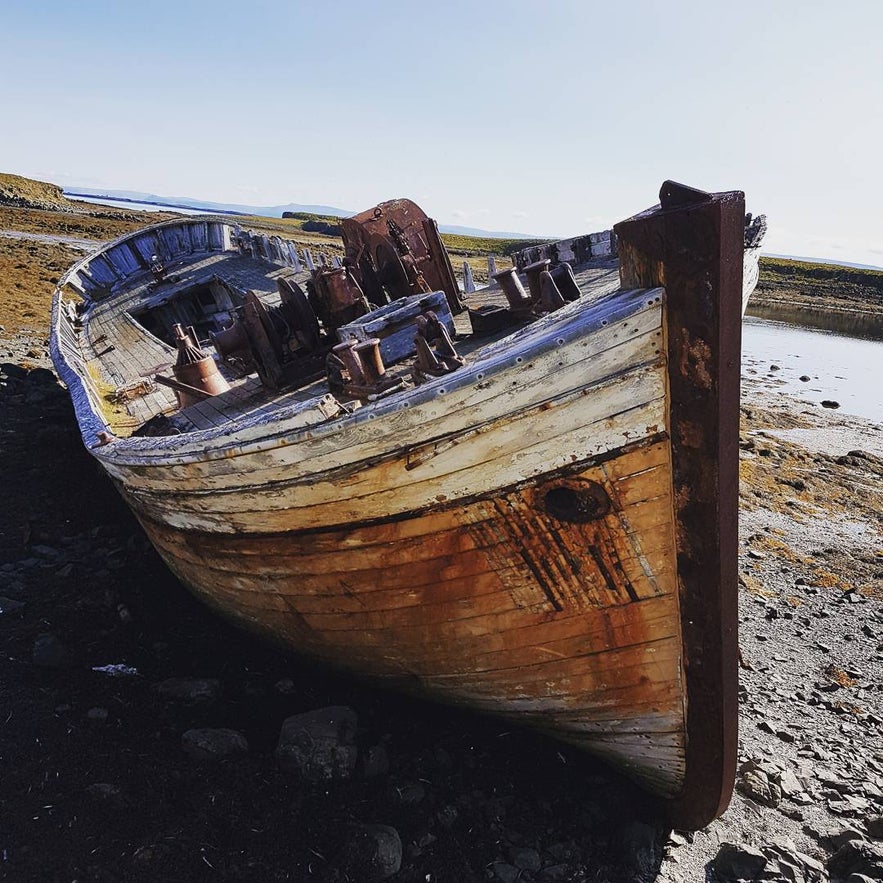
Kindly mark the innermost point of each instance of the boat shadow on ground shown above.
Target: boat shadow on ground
(99, 758)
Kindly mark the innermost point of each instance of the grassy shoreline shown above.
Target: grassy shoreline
(827, 289)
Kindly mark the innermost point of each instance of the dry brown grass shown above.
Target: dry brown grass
(824, 579)
(837, 675)
(16, 190)
(28, 273)
(780, 549)
(755, 587)
(99, 225)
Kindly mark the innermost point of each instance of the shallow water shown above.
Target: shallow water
(844, 369)
(141, 206)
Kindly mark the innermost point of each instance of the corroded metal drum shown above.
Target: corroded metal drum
(195, 369)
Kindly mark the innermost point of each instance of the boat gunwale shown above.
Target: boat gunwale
(190, 220)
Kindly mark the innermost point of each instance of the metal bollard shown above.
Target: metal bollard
(518, 298)
(550, 296)
(566, 281)
(533, 277)
(368, 352)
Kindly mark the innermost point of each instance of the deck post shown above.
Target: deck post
(468, 281)
(692, 243)
(295, 259)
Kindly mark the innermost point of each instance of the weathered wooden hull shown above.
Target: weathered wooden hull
(493, 603)
(547, 534)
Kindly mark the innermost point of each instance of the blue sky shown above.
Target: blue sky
(553, 118)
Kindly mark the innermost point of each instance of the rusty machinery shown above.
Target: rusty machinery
(196, 375)
(336, 296)
(282, 342)
(394, 250)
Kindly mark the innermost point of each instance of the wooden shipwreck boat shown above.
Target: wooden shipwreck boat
(527, 506)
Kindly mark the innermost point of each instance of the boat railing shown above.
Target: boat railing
(71, 367)
(576, 250)
(115, 264)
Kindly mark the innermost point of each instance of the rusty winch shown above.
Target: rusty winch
(394, 250)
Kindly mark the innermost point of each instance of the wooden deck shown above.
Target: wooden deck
(119, 352)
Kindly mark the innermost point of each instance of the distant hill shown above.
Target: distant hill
(229, 208)
(817, 285)
(492, 234)
(265, 211)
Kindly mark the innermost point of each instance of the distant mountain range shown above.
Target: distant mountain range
(266, 211)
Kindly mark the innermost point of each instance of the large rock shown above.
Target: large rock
(505, 873)
(213, 744)
(49, 652)
(857, 857)
(372, 852)
(756, 785)
(739, 862)
(792, 864)
(525, 858)
(642, 847)
(8, 369)
(790, 785)
(319, 745)
(10, 605)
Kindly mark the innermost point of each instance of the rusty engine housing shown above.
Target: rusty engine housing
(395, 250)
